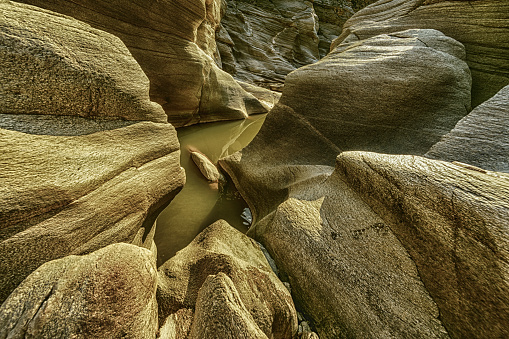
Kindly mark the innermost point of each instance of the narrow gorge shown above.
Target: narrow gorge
(283, 169)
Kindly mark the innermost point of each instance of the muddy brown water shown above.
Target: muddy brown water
(199, 204)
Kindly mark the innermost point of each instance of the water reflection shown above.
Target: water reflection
(199, 204)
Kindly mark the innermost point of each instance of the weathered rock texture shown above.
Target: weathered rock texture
(481, 138)
(70, 185)
(206, 167)
(396, 93)
(75, 194)
(53, 64)
(165, 38)
(354, 233)
(453, 222)
(110, 293)
(262, 41)
(221, 286)
(479, 25)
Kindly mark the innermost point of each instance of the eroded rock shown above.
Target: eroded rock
(165, 39)
(74, 183)
(453, 222)
(55, 65)
(396, 93)
(223, 273)
(481, 138)
(109, 293)
(479, 25)
(206, 167)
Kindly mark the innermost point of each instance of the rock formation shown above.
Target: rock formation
(261, 41)
(377, 228)
(396, 93)
(481, 138)
(165, 38)
(206, 167)
(110, 293)
(484, 33)
(72, 185)
(221, 286)
(57, 66)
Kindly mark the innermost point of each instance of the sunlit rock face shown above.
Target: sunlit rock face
(481, 26)
(109, 293)
(221, 285)
(76, 175)
(174, 43)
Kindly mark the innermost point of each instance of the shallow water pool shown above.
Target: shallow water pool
(199, 203)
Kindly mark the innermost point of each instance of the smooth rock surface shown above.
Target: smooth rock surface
(110, 293)
(348, 271)
(165, 39)
(396, 93)
(373, 229)
(481, 26)
(52, 64)
(64, 195)
(230, 266)
(453, 222)
(481, 138)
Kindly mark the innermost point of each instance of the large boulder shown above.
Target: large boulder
(223, 274)
(378, 225)
(481, 26)
(110, 293)
(370, 95)
(64, 195)
(395, 93)
(452, 219)
(74, 183)
(55, 65)
(165, 39)
(481, 138)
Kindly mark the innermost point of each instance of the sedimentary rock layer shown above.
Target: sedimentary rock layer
(164, 38)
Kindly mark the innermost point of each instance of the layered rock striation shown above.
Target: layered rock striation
(173, 41)
(76, 176)
(480, 138)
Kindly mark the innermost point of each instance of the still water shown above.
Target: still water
(199, 203)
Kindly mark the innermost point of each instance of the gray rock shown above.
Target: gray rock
(263, 41)
(223, 273)
(481, 138)
(481, 26)
(110, 293)
(52, 64)
(166, 38)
